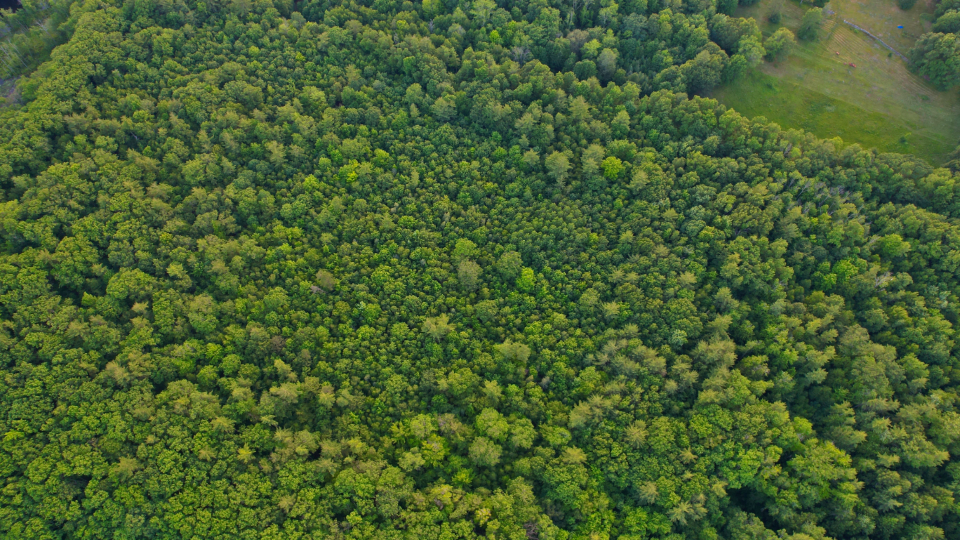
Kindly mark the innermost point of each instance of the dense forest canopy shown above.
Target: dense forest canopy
(457, 270)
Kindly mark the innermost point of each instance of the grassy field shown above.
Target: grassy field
(878, 103)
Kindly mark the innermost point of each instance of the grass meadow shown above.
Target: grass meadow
(879, 103)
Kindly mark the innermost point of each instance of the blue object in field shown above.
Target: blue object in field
(900, 27)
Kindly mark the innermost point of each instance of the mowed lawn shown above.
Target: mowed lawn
(879, 103)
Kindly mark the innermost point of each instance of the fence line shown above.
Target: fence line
(867, 32)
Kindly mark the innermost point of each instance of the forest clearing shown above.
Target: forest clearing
(878, 103)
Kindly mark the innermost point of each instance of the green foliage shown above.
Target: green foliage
(378, 272)
(948, 23)
(779, 44)
(509, 265)
(30, 33)
(936, 57)
(810, 24)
